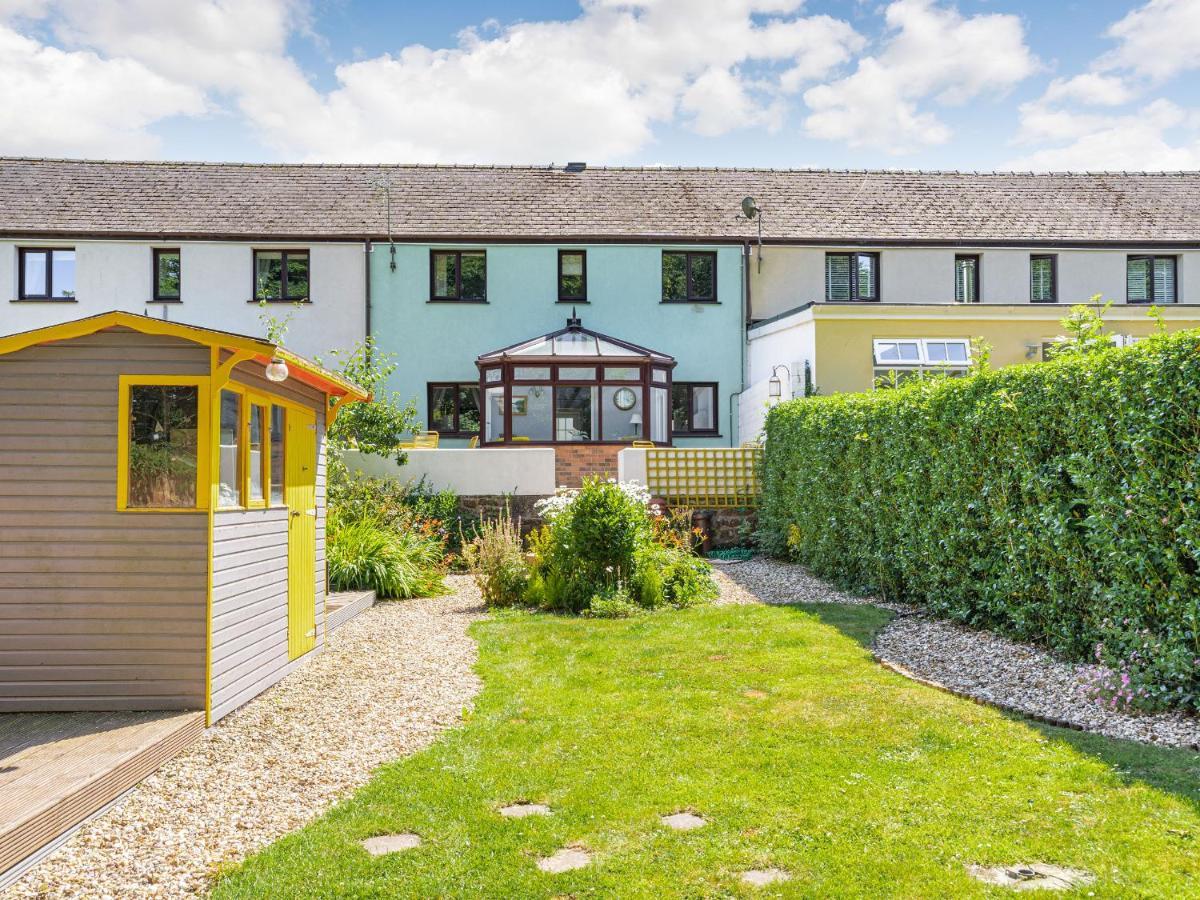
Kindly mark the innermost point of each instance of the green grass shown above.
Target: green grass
(774, 724)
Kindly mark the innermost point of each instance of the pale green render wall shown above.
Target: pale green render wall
(440, 341)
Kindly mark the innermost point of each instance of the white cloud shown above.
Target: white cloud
(595, 86)
(1158, 40)
(1090, 88)
(1134, 142)
(930, 53)
(58, 103)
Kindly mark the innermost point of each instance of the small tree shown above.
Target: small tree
(1085, 330)
(382, 424)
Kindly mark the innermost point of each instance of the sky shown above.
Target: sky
(906, 84)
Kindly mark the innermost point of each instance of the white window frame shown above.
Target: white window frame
(923, 359)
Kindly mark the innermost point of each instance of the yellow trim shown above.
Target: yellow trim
(203, 460)
(253, 347)
(212, 439)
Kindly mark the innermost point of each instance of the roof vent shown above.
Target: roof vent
(575, 167)
(574, 321)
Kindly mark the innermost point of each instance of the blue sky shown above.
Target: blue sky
(978, 84)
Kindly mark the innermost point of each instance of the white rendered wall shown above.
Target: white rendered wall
(789, 342)
(216, 287)
(476, 472)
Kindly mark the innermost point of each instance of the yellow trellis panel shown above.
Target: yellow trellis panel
(707, 477)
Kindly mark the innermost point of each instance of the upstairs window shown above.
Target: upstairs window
(689, 277)
(458, 275)
(1043, 279)
(166, 275)
(46, 274)
(694, 407)
(572, 276)
(1150, 279)
(281, 276)
(966, 278)
(852, 277)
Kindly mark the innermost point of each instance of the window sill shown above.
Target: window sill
(44, 300)
(872, 300)
(690, 302)
(163, 300)
(694, 434)
(305, 301)
(451, 300)
(574, 302)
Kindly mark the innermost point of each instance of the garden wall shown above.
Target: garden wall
(1054, 501)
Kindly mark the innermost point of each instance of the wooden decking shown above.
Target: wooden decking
(56, 769)
(343, 606)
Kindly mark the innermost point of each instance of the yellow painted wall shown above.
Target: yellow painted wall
(844, 349)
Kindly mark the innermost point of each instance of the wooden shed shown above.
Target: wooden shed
(161, 515)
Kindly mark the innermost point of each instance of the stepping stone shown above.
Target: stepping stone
(391, 843)
(1030, 877)
(683, 821)
(763, 877)
(521, 810)
(565, 860)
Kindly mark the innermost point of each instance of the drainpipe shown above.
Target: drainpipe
(367, 251)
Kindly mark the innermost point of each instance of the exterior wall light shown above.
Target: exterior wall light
(775, 386)
(277, 370)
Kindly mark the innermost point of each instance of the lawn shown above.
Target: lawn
(775, 725)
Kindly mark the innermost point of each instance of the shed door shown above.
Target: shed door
(300, 466)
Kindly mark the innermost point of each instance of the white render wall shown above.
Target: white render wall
(788, 342)
(217, 289)
(793, 276)
(474, 472)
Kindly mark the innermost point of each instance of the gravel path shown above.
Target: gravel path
(978, 664)
(389, 682)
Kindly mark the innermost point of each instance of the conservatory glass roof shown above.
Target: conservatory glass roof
(575, 342)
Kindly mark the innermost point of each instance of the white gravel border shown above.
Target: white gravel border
(388, 682)
(979, 665)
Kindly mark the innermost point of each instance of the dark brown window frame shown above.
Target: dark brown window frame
(1053, 257)
(687, 266)
(155, 254)
(283, 261)
(435, 297)
(572, 298)
(47, 297)
(691, 410)
(1153, 257)
(430, 386)
(978, 258)
(854, 295)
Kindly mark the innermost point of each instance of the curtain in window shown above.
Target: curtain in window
(1041, 280)
(1164, 280)
(966, 280)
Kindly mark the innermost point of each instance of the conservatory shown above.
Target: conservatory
(575, 386)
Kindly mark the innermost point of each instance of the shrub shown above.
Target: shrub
(497, 557)
(366, 554)
(1045, 501)
(395, 504)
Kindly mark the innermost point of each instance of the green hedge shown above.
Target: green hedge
(1055, 502)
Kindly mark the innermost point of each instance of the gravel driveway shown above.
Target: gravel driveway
(389, 681)
(978, 664)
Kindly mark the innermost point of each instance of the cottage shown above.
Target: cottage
(162, 536)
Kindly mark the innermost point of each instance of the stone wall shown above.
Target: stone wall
(726, 524)
(472, 509)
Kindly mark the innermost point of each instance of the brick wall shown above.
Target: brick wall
(573, 463)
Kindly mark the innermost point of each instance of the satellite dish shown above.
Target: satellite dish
(749, 207)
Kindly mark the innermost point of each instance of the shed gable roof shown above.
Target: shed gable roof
(220, 200)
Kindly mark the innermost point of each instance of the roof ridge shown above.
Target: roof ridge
(551, 167)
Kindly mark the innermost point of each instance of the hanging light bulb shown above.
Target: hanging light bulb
(277, 370)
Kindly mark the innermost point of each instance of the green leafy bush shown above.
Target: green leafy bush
(1056, 502)
(602, 553)
(498, 560)
(366, 554)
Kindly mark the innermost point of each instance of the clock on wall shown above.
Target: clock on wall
(625, 399)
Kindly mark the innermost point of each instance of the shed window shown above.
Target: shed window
(281, 276)
(278, 429)
(160, 453)
(46, 274)
(256, 469)
(166, 275)
(229, 486)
